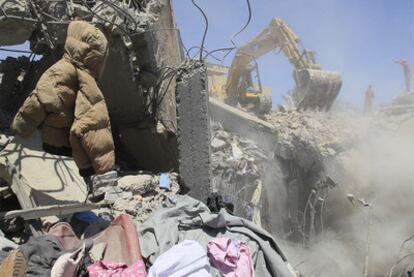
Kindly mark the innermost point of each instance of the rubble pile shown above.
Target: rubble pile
(310, 138)
(136, 18)
(138, 195)
(237, 168)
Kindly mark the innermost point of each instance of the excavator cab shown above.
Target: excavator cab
(251, 95)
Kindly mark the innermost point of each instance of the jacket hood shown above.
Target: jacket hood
(86, 47)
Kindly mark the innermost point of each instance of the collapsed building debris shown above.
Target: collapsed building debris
(238, 170)
(276, 170)
(144, 84)
(297, 147)
(310, 138)
(139, 195)
(305, 143)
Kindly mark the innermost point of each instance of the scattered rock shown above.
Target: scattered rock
(112, 194)
(217, 144)
(139, 195)
(137, 184)
(104, 180)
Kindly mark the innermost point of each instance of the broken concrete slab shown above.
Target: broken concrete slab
(137, 184)
(43, 178)
(16, 23)
(112, 193)
(242, 123)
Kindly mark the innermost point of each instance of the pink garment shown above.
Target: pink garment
(64, 233)
(121, 239)
(231, 257)
(106, 269)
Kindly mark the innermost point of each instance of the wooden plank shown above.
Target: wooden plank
(56, 210)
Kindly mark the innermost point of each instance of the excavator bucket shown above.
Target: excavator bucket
(316, 89)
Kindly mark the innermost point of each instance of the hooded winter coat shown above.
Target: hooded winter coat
(68, 107)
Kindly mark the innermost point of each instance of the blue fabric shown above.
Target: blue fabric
(165, 182)
(87, 216)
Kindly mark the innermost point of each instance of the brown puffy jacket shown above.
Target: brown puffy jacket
(68, 107)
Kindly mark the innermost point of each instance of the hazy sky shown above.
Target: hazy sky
(359, 38)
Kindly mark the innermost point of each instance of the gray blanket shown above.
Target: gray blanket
(184, 218)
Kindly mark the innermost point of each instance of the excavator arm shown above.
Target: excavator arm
(309, 77)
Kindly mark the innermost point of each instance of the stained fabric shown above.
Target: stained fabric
(41, 253)
(121, 253)
(231, 257)
(186, 259)
(121, 240)
(184, 218)
(108, 269)
(67, 105)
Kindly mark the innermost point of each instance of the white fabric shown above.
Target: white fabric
(68, 264)
(7, 244)
(186, 259)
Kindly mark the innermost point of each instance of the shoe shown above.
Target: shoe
(14, 265)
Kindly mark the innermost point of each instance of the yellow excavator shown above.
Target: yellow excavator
(315, 89)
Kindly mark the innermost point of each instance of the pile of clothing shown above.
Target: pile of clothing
(182, 238)
(106, 248)
(234, 246)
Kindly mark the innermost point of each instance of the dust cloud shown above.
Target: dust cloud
(370, 208)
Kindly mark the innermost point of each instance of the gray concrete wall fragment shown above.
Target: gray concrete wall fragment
(168, 52)
(194, 130)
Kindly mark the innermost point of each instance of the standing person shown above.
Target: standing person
(407, 74)
(69, 109)
(369, 100)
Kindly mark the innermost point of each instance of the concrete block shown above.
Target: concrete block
(193, 130)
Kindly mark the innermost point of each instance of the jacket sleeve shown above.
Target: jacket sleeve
(91, 140)
(29, 116)
(91, 134)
